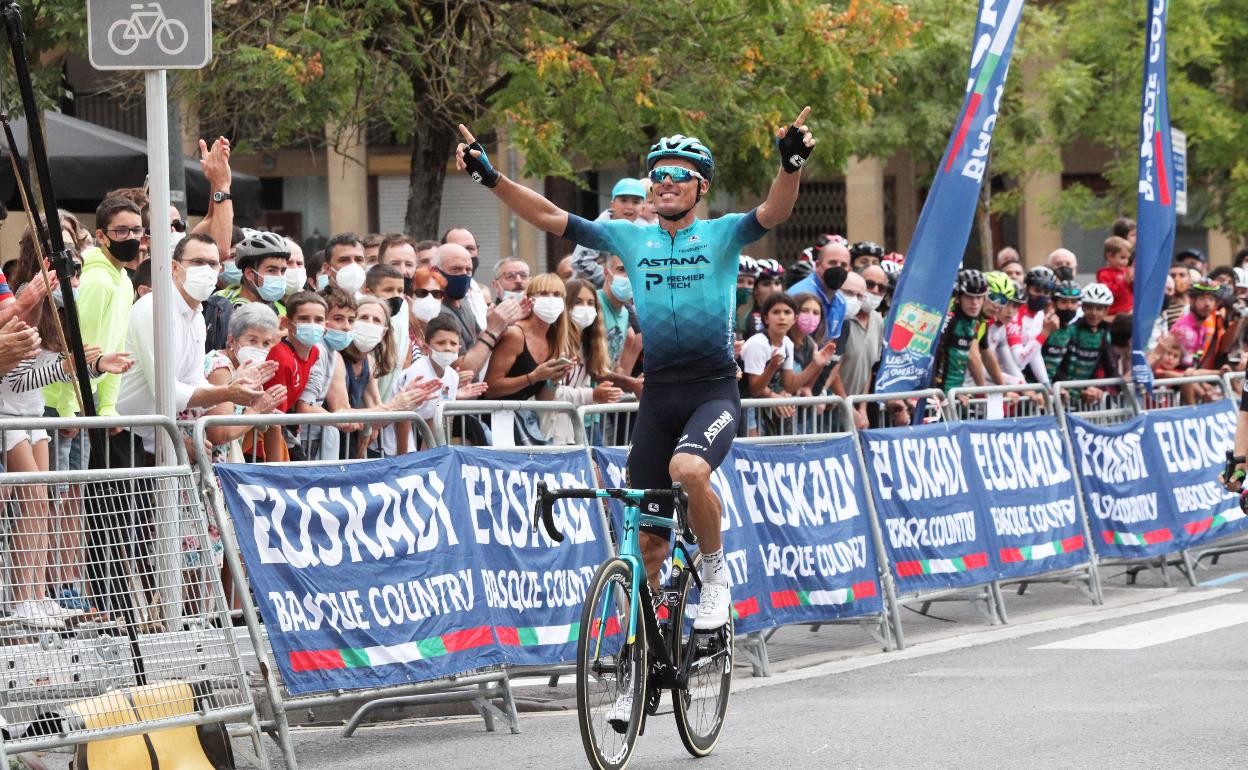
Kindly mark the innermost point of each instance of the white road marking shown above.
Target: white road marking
(1149, 633)
(987, 636)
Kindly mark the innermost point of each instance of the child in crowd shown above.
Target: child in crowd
(1090, 354)
(304, 324)
(1065, 308)
(1117, 274)
(768, 360)
(959, 350)
(441, 335)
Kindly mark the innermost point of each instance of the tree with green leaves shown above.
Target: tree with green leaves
(574, 83)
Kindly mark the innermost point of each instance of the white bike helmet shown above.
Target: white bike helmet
(747, 265)
(1097, 294)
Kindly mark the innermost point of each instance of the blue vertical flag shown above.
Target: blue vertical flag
(922, 296)
(1154, 242)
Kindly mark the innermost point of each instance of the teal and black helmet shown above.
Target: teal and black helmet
(679, 146)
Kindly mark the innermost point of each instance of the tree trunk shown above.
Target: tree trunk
(433, 139)
(983, 224)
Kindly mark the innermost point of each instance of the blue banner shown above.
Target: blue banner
(1029, 494)
(535, 587)
(797, 540)
(921, 299)
(1150, 483)
(1155, 213)
(929, 499)
(363, 573)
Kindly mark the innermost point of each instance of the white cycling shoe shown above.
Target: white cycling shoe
(714, 607)
(621, 712)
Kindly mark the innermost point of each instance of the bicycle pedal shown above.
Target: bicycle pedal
(653, 696)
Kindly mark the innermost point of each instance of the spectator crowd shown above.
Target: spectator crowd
(388, 323)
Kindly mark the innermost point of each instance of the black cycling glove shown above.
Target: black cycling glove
(479, 167)
(793, 151)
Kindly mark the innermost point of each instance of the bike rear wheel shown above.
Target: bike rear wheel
(608, 665)
(702, 704)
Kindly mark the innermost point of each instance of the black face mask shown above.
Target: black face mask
(1064, 274)
(396, 305)
(834, 277)
(125, 251)
(1037, 303)
(1065, 315)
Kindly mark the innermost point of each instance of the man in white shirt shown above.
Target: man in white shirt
(195, 269)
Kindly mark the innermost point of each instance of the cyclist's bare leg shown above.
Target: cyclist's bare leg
(654, 550)
(694, 474)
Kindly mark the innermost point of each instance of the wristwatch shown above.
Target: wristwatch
(218, 197)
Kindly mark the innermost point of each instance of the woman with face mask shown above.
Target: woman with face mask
(589, 380)
(535, 353)
(424, 302)
(252, 331)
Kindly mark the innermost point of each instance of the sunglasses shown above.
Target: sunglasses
(677, 174)
(178, 225)
(999, 299)
(422, 293)
(877, 285)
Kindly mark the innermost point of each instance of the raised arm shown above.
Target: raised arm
(532, 208)
(795, 144)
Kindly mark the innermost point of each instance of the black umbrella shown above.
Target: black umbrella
(88, 161)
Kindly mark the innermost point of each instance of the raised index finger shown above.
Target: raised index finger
(464, 132)
(801, 119)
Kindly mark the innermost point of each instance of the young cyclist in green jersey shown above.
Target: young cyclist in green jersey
(1065, 307)
(959, 351)
(1090, 353)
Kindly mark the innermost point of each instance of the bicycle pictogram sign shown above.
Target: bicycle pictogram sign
(146, 22)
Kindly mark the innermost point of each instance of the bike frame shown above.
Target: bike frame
(630, 551)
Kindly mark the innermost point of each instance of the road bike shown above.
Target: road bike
(124, 35)
(629, 643)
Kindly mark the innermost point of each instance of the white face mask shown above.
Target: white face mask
(852, 305)
(296, 277)
(444, 358)
(350, 277)
(425, 308)
(174, 238)
(249, 355)
(583, 315)
(199, 282)
(367, 335)
(871, 301)
(516, 295)
(548, 308)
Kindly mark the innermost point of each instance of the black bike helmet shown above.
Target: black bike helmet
(1068, 290)
(972, 283)
(866, 249)
(1041, 277)
(256, 245)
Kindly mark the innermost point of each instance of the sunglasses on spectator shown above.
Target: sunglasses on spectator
(178, 225)
(677, 174)
(422, 293)
(121, 233)
(871, 285)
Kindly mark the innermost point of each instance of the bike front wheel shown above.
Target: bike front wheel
(702, 704)
(610, 666)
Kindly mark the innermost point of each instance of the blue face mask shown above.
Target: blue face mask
(322, 281)
(621, 288)
(457, 285)
(231, 273)
(309, 334)
(273, 288)
(337, 339)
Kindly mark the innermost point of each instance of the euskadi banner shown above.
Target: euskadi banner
(1150, 483)
(366, 574)
(929, 501)
(1155, 214)
(803, 507)
(1029, 491)
(922, 297)
(534, 587)
(797, 540)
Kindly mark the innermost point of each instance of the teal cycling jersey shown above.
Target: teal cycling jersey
(684, 288)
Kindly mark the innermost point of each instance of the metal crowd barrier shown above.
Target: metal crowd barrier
(1175, 392)
(986, 598)
(1233, 382)
(482, 687)
(132, 635)
(1114, 403)
(1085, 577)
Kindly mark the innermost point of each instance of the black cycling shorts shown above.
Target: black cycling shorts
(697, 418)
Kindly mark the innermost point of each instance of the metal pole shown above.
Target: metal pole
(177, 172)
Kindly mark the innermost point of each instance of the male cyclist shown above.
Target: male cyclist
(683, 270)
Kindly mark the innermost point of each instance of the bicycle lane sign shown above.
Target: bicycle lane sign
(167, 34)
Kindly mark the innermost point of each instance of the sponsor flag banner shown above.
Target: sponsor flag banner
(1025, 477)
(1155, 198)
(612, 465)
(1150, 483)
(365, 574)
(802, 542)
(922, 297)
(928, 497)
(534, 587)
